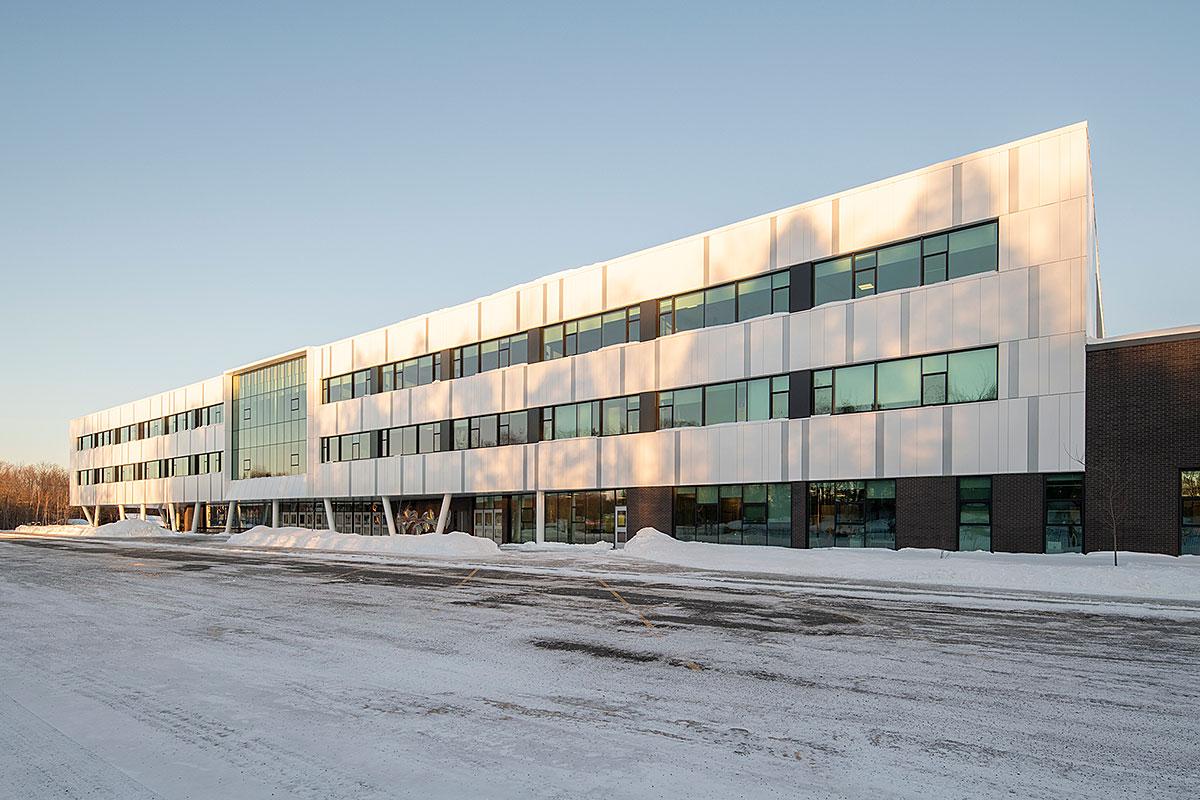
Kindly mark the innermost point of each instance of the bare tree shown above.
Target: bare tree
(33, 493)
(1111, 488)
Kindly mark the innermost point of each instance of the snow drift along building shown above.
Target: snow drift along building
(902, 364)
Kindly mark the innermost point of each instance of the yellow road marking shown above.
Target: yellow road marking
(470, 575)
(625, 603)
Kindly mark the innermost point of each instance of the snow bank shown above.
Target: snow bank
(1140, 574)
(121, 529)
(57, 530)
(425, 544)
(559, 547)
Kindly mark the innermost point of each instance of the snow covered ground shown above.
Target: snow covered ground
(138, 670)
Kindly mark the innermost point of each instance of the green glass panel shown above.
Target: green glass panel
(972, 251)
(854, 389)
(971, 376)
(899, 383)
(754, 298)
(719, 306)
(689, 311)
(720, 404)
(899, 267)
(832, 280)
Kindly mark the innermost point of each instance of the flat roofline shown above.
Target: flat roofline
(1181, 333)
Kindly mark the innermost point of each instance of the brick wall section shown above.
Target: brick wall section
(927, 512)
(651, 507)
(799, 514)
(1141, 422)
(1017, 516)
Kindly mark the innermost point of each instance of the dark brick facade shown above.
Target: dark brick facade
(1018, 518)
(927, 512)
(651, 507)
(1143, 424)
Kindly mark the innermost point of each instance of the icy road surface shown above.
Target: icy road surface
(184, 671)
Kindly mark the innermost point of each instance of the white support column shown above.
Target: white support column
(171, 517)
(142, 512)
(96, 523)
(329, 515)
(274, 513)
(87, 514)
(445, 513)
(387, 512)
(229, 517)
(195, 518)
(120, 511)
(540, 517)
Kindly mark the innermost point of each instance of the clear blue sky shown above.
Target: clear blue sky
(188, 187)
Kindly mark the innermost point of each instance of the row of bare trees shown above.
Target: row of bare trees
(33, 493)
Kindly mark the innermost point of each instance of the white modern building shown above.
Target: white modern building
(901, 363)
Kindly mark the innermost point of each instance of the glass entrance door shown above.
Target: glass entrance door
(489, 524)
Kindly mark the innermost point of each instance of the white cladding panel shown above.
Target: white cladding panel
(1036, 307)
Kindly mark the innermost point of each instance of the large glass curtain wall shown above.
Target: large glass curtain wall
(582, 517)
(270, 411)
(1064, 513)
(1190, 512)
(852, 514)
(754, 514)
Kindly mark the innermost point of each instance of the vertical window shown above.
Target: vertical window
(971, 251)
(864, 274)
(490, 354)
(688, 411)
(933, 380)
(975, 513)
(972, 376)
(933, 263)
(362, 383)
(552, 342)
(489, 431)
(429, 438)
(832, 280)
(720, 403)
(462, 431)
(635, 324)
(854, 388)
(689, 311)
(615, 420)
(518, 349)
(899, 383)
(564, 422)
(466, 361)
(666, 317)
(613, 328)
(666, 410)
(898, 267)
(1064, 513)
(781, 303)
(823, 391)
(780, 388)
(754, 298)
(589, 335)
(720, 305)
(1189, 490)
